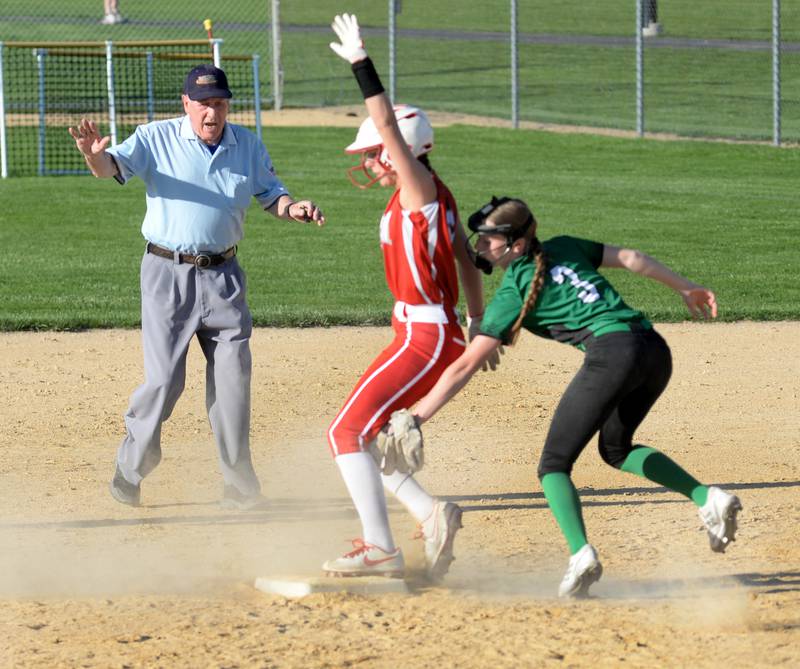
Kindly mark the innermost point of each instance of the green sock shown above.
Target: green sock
(657, 467)
(563, 500)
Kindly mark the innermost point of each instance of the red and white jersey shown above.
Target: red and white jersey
(418, 250)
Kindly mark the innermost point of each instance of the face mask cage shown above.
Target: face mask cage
(362, 176)
(477, 224)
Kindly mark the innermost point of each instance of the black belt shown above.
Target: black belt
(200, 260)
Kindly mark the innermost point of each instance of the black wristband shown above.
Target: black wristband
(368, 80)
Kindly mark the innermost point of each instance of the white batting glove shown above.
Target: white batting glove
(352, 46)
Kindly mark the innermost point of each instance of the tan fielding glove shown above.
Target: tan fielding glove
(398, 446)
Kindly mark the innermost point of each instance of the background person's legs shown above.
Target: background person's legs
(169, 322)
(225, 340)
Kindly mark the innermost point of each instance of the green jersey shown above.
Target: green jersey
(575, 302)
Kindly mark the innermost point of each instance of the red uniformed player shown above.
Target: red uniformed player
(421, 239)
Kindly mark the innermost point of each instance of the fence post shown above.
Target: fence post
(257, 93)
(3, 147)
(514, 67)
(277, 74)
(639, 71)
(392, 49)
(40, 64)
(151, 103)
(112, 99)
(776, 72)
(216, 54)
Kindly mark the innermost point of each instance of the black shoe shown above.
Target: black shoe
(124, 492)
(233, 499)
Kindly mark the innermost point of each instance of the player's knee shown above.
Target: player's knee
(613, 454)
(331, 434)
(554, 463)
(165, 389)
(157, 397)
(342, 440)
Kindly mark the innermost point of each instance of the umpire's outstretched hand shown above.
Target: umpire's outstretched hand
(88, 139)
(92, 146)
(305, 211)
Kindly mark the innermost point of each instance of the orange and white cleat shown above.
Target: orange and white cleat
(367, 560)
(439, 533)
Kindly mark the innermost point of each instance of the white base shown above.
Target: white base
(300, 586)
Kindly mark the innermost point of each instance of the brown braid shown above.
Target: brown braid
(537, 251)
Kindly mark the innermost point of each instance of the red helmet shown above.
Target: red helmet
(415, 128)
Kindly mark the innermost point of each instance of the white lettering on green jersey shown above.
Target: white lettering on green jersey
(576, 301)
(589, 293)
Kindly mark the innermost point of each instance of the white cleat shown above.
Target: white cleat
(441, 528)
(719, 517)
(367, 560)
(652, 29)
(584, 569)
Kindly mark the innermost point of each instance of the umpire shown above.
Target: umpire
(200, 173)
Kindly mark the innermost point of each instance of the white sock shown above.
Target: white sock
(410, 494)
(363, 481)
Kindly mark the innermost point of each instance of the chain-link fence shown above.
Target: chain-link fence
(49, 86)
(705, 69)
(718, 68)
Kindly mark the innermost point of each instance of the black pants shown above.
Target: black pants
(622, 376)
(649, 12)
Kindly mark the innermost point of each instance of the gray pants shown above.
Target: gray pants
(180, 301)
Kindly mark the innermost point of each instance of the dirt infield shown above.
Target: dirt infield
(86, 582)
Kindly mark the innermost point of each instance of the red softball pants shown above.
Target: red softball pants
(399, 377)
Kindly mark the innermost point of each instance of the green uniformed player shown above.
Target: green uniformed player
(554, 290)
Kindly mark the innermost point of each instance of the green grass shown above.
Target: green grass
(712, 19)
(725, 215)
(689, 91)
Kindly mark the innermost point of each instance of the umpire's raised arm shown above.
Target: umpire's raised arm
(93, 147)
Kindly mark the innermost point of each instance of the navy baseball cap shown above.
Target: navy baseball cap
(206, 81)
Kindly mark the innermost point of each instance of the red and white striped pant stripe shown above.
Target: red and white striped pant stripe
(399, 377)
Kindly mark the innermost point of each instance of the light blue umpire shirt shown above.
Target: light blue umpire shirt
(196, 200)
